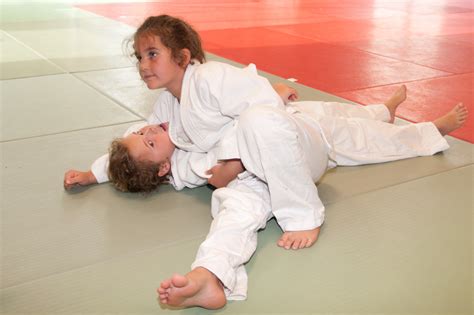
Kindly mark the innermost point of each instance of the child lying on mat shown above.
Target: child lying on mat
(332, 134)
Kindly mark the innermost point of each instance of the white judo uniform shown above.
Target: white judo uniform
(284, 149)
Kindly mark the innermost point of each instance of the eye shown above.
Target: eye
(151, 144)
(152, 54)
(139, 58)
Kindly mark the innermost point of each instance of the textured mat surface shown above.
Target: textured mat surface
(398, 236)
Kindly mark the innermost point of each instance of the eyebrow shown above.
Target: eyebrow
(137, 53)
(151, 48)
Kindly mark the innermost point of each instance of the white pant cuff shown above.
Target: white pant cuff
(301, 225)
(433, 142)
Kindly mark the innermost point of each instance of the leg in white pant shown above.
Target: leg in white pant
(382, 112)
(273, 145)
(239, 211)
(357, 141)
(342, 110)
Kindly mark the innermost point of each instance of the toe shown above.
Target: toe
(296, 244)
(179, 281)
(283, 240)
(165, 284)
(288, 244)
(161, 290)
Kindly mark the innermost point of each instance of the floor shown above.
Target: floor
(359, 50)
(398, 238)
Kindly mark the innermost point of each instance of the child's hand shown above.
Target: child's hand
(74, 178)
(224, 172)
(287, 94)
(218, 178)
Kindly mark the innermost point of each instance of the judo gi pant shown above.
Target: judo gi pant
(291, 149)
(239, 211)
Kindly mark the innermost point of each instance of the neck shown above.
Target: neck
(176, 92)
(175, 86)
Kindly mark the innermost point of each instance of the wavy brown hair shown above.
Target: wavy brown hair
(175, 34)
(131, 175)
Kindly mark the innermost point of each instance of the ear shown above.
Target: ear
(164, 168)
(184, 57)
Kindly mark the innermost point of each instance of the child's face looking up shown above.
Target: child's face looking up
(151, 143)
(158, 69)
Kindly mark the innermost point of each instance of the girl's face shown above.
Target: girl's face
(151, 143)
(157, 67)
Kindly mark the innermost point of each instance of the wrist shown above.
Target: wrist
(91, 178)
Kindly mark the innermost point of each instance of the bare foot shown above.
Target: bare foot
(200, 287)
(396, 99)
(452, 120)
(298, 239)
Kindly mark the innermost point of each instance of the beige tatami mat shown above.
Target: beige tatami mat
(405, 249)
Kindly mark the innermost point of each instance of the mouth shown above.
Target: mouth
(164, 126)
(147, 77)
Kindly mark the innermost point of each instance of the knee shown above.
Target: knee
(248, 209)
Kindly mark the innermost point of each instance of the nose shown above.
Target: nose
(143, 64)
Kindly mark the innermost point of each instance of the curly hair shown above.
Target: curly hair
(175, 34)
(130, 175)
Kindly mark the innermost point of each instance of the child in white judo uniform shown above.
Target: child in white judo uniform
(244, 206)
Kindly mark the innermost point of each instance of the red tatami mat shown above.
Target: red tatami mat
(331, 68)
(357, 49)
